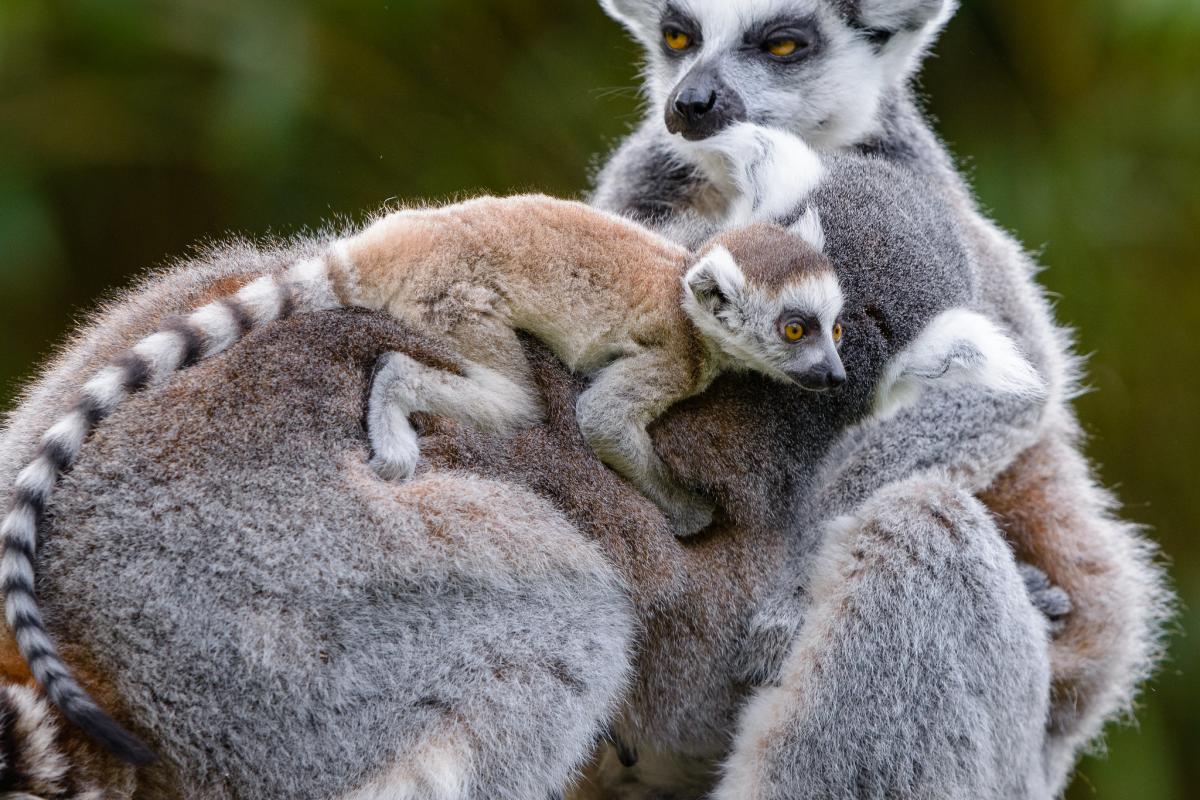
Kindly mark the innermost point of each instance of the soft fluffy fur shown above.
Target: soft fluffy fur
(1046, 502)
(364, 640)
(238, 586)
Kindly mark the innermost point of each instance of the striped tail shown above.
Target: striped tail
(181, 342)
(34, 763)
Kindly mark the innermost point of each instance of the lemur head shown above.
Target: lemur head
(817, 68)
(768, 300)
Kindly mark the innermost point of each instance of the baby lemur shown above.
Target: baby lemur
(605, 296)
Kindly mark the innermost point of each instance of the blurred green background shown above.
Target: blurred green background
(130, 130)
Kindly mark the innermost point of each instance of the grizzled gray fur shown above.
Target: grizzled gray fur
(850, 93)
(230, 578)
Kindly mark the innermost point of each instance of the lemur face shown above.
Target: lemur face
(817, 68)
(770, 302)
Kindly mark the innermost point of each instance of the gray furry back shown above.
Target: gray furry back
(228, 575)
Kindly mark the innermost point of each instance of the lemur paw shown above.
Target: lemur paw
(392, 470)
(395, 459)
(1050, 600)
(773, 172)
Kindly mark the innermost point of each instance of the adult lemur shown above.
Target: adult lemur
(228, 575)
(758, 298)
(838, 73)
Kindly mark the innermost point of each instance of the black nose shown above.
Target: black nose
(692, 104)
(702, 105)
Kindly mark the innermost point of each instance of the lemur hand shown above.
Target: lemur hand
(772, 173)
(1050, 600)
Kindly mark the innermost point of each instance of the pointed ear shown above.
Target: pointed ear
(714, 283)
(896, 15)
(958, 348)
(808, 228)
(904, 29)
(636, 15)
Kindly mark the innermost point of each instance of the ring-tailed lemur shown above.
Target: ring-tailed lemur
(226, 570)
(759, 298)
(838, 74)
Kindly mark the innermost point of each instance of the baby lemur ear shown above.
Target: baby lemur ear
(714, 283)
(958, 348)
(808, 228)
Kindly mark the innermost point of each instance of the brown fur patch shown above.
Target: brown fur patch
(771, 256)
(1037, 506)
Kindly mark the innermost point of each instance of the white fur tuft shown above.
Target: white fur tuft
(959, 347)
(771, 171)
(262, 299)
(809, 228)
(218, 325)
(311, 287)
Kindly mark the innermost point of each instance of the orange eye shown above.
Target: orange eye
(782, 47)
(793, 331)
(677, 39)
(837, 332)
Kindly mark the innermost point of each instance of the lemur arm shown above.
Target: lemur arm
(921, 670)
(613, 414)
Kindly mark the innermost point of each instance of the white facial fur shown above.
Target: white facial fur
(742, 320)
(830, 99)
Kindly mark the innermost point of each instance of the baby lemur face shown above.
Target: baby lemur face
(769, 301)
(817, 68)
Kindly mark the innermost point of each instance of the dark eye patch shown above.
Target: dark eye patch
(675, 19)
(802, 30)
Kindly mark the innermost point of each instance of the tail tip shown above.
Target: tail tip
(107, 732)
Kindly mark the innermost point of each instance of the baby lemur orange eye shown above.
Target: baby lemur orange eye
(782, 47)
(837, 332)
(793, 331)
(677, 39)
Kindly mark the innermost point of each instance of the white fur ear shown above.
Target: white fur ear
(636, 15)
(958, 348)
(808, 228)
(901, 15)
(714, 282)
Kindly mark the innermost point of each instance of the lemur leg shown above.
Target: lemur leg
(613, 415)
(481, 397)
(921, 670)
